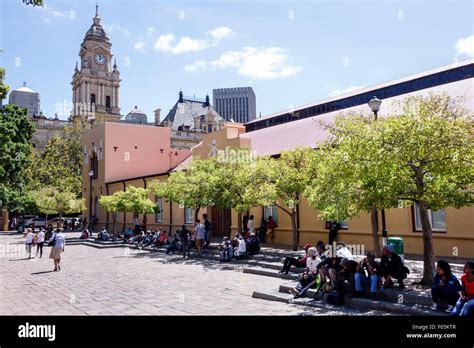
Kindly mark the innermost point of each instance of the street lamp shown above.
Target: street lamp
(374, 105)
(91, 175)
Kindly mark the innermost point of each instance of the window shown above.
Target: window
(92, 102)
(209, 128)
(271, 211)
(107, 101)
(159, 209)
(437, 219)
(188, 215)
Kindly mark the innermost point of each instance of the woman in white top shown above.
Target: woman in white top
(308, 279)
(39, 243)
(29, 242)
(59, 242)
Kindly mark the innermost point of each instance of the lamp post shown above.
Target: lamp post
(91, 175)
(374, 105)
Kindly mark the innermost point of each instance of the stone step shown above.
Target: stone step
(269, 273)
(388, 300)
(359, 304)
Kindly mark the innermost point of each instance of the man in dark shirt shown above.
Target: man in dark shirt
(391, 266)
(329, 267)
(367, 275)
(347, 274)
(184, 238)
(208, 229)
(335, 227)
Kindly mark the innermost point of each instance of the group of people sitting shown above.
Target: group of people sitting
(240, 247)
(142, 239)
(338, 273)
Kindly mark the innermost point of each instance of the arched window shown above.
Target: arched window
(107, 101)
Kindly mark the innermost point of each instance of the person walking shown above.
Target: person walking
(208, 230)
(200, 234)
(58, 243)
(262, 230)
(39, 243)
(29, 242)
(271, 225)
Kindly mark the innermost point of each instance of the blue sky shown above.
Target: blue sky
(291, 53)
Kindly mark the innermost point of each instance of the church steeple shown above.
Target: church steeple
(96, 84)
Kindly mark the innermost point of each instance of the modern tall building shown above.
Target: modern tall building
(237, 103)
(26, 98)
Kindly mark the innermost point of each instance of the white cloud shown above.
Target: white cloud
(46, 19)
(466, 46)
(256, 63)
(166, 42)
(150, 31)
(345, 90)
(220, 33)
(139, 46)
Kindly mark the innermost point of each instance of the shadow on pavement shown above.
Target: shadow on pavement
(42, 272)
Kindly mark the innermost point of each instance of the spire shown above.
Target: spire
(115, 64)
(97, 9)
(181, 99)
(76, 68)
(207, 103)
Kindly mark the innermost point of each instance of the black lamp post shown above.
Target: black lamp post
(374, 105)
(91, 175)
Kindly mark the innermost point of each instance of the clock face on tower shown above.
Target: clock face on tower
(99, 59)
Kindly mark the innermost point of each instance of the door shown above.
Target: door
(221, 222)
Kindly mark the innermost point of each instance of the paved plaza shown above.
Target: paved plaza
(119, 281)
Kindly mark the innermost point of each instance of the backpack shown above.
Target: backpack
(335, 298)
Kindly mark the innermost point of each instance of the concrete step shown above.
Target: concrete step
(269, 273)
(327, 309)
(388, 300)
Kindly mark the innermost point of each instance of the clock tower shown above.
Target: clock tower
(95, 85)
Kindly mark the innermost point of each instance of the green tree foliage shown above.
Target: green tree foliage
(424, 156)
(3, 87)
(196, 187)
(288, 177)
(133, 200)
(34, 2)
(16, 131)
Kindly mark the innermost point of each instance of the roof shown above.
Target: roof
(367, 89)
(24, 89)
(183, 114)
(137, 116)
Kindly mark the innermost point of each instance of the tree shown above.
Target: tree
(289, 176)
(241, 185)
(3, 87)
(45, 200)
(424, 156)
(16, 131)
(34, 2)
(112, 204)
(59, 165)
(195, 187)
(134, 200)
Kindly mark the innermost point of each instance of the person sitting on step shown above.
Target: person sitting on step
(241, 250)
(299, 262)
(308, 278)
(367, 275)
(391, 266)
(226, 250)
(465, 305)
(445, 287)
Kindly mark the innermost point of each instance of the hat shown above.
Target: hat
(345, 261)
(307, 246)
(312, 251)
(389, 248)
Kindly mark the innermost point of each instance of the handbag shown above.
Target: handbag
(52, 242)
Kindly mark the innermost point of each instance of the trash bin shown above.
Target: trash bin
(397, 245)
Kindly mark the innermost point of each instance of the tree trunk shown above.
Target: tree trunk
(114, 218)
(375, 231)
(239, 222)
(196, 213)
(60, 219)
(294, 227)
(428, 250)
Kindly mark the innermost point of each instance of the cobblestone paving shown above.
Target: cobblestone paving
(115, 282)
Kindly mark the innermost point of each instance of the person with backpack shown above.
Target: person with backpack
(445, 286)
(391, 266)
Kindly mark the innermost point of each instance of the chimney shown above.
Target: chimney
(157, 116)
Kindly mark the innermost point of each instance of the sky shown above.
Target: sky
(290, 52)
